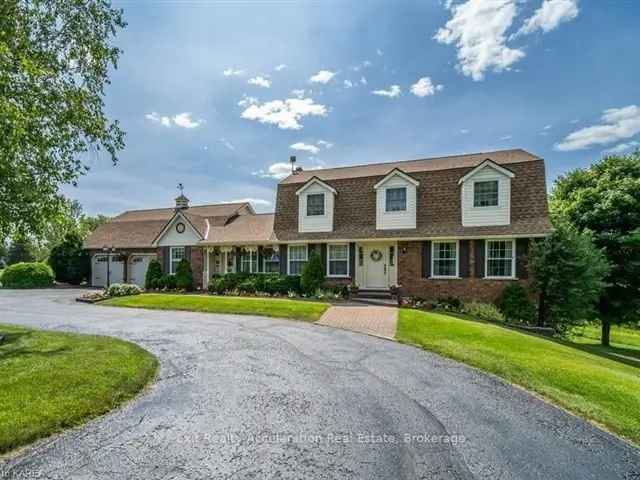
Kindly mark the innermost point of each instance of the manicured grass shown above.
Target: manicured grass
(50, 381)
(594, 386)
(269, 307)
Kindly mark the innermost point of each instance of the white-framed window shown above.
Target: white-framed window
(500, 259)
(396, 199)
(444, 259)
(271, 260)
(297, 258)
(315, 204)
(338, 260)
(176, 254)
(485, 194)
(249, 261)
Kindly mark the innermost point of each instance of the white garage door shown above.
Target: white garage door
(138, 265)
(99, 270)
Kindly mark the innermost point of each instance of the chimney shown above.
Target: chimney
(182, 202)
(292, 161)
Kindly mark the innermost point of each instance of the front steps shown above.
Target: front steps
(375, 297)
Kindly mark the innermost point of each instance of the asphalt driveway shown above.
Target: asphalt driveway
(249, 397)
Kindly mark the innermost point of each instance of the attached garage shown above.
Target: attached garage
(138, 265)
(99, 265)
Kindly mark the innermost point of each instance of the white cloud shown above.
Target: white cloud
(575, 120)
(348, 84)
(617, 124)
(478, 29)
(363, 80)
(298, 92)
(360, 66)
(182, 120)
(393, 92)
(247, 100)
(464, 131)
(379, 52)
(277, 170)
(155, 118)
(227, 144)
(550, 15)
(323, 76)
(547, 127)
(324, 144)
(259, 81)
(230, 72)
(622, 147)
(424, 87)
(253, 201)
(506, 137)
(280, 67)
(304, 147)
(286, 114)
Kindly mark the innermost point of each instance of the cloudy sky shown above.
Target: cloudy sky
(217, 94)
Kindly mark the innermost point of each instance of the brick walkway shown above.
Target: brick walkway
(379, 321)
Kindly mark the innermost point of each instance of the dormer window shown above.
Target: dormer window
(485, 194)
(315, 204)
(396, 199)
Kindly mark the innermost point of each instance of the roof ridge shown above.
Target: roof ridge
(395, 162)
(157, 209)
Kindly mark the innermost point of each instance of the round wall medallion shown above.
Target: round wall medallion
(376, 255)
(180, 227)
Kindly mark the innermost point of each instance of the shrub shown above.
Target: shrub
(70, 261)
(184, 275)
(123, 290)
(248, 285)
(272, 284)
(516, 305)
(449, 303)
(216, 285)
(154, 273)
(312, 274)
(483, 311)
(27, 275)
(167, 282)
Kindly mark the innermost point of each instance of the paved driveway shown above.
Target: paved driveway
(248, 397)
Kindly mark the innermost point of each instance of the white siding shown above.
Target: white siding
(172, 238)
(481, 216)
(395, 220)
(315, 223)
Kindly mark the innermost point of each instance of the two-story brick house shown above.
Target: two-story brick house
(450, 226)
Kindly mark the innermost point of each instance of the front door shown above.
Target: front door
(376, 267)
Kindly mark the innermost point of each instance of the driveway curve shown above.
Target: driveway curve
(250, 397)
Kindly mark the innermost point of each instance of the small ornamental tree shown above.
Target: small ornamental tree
(69, 261)
(568, 271)
(312, 276)
(20, 251)
(184, 275)
(153, 275)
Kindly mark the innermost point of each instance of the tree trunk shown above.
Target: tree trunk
(606, 331)
(542, 310)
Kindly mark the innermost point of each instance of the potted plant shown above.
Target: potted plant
(353, 289)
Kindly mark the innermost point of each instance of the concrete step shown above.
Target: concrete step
(383, 302)
(373, 293)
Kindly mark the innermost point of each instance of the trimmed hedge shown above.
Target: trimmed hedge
(272, 284)
(27, 275)
(184, 275)
(153, 275)
(123, 290)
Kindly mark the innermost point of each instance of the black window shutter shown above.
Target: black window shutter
(166, 252)
(323, 257)
(464, 258)
(522, 252)
(479, 260)
(260, 260)
(187, 253)
(426, 259)
(283, 259)
(352, 260)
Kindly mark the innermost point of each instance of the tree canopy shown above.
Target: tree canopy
(55, 57)
(604, 199)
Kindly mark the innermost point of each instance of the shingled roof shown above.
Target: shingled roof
(138, 228)
(501, 157)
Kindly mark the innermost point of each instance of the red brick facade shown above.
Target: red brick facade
(413, 284)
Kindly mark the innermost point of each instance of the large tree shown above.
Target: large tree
(55, 57)
(605, 200)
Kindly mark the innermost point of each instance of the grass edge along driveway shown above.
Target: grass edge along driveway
(50, 381)
(261, 306)
(597, 388)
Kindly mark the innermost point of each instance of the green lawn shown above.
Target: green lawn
(50, 381)
(591, 384)
(270, 307)
(625, 342)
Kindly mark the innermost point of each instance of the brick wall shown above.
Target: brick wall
(197, 265)
(467, 289)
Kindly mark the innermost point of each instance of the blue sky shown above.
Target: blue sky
(214, 94)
